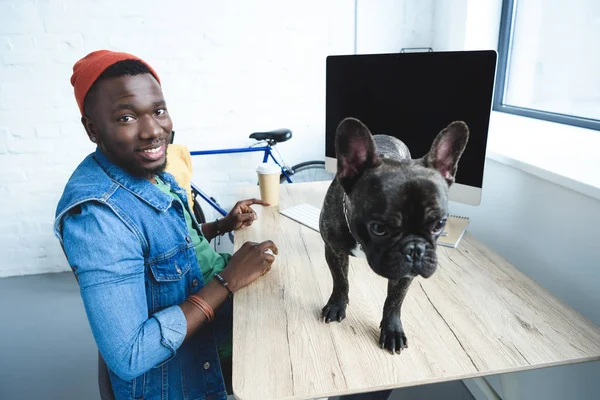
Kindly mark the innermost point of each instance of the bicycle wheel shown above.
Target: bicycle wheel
(308, 171)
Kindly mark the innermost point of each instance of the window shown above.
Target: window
(549, 61)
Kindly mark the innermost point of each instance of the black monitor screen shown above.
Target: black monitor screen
(413, 96)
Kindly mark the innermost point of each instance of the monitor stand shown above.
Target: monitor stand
(454, 230)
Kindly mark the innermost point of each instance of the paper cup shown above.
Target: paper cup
(268, 181)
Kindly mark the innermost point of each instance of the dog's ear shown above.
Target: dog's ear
(355, 151)
(446, 150)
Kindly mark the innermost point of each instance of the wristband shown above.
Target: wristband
(203, 306)
(225, 284)
(219, 233)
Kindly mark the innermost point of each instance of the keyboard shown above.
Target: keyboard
(304, 214)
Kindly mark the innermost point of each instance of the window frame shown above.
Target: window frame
(505, 38)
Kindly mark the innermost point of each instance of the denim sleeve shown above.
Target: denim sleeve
(107, 258)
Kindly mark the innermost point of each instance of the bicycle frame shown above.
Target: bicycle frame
(267, 153)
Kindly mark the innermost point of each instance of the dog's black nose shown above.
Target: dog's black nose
(413, 251)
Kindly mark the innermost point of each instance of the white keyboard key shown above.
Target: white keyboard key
(304, 214)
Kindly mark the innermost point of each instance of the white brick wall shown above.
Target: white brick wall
(228, 68)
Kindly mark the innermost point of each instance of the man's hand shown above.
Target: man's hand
(241, 215)
(249, 263)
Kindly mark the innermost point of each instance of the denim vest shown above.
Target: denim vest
(128, 245)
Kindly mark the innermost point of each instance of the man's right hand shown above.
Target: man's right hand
(249, 263)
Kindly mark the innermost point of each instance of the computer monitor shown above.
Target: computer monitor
(413, 96)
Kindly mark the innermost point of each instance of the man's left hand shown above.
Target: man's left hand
(241, 215)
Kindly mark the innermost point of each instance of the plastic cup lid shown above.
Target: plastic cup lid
(266, 168)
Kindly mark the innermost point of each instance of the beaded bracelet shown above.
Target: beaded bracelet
(225, 284)
(219, 233)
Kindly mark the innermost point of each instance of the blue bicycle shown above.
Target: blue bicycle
(308, 171)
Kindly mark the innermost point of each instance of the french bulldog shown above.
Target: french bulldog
(390, 207)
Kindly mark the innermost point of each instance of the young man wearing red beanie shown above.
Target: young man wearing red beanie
(157, 297)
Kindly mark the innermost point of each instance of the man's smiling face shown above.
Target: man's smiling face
(127, 118)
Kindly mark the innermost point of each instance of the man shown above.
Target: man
(157, 297)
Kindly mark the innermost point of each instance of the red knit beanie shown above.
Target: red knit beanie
(89, 68)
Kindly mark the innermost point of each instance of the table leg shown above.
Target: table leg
(487, 389)
(509, 383)
(509, 386)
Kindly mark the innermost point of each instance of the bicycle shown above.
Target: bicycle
(307, 171)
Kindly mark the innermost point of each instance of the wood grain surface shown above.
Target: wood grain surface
(476, 316)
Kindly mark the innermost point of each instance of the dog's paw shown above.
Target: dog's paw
(333, 312)
(392, 336)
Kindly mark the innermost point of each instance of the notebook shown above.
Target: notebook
(308, 215)
(456, 227)
(304, 214)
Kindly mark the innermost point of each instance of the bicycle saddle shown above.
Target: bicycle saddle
(278, 135)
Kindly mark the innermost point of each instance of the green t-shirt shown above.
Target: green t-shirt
(210, 261)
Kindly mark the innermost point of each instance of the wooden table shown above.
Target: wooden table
(476, 316)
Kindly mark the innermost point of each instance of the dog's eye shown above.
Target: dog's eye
(378, 229)
(439, 226)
